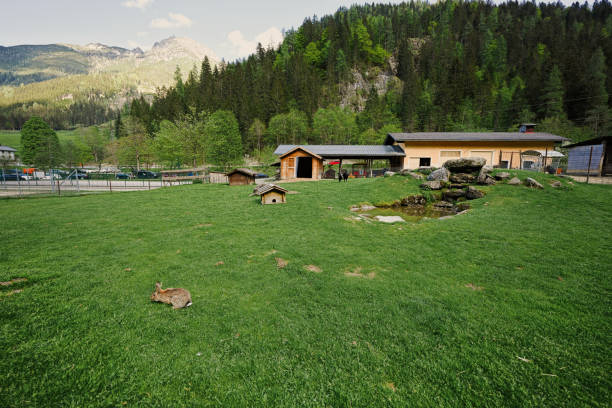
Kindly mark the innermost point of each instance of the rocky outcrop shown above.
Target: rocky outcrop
(529, 182)
(514, 181)
(555, 184)
(414, 200)
(453, 195)
(440, 174)
(462, 178)
(473, 193)
(391, 219)
(484, 178)
(465, 164)
(432, 185)
(443, 204)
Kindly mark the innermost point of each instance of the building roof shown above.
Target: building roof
(345, 151)
(302, 148)
(246, 172)
(7, 149)
(472, 137)
(266, 188)
(594, 141)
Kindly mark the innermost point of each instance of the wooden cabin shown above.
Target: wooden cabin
(241, 177)
(271, 194)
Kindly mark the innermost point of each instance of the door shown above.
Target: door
(304, 167)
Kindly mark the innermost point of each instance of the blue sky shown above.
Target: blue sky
(229, 28)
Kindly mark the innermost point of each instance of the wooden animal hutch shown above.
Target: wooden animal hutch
(271, 194)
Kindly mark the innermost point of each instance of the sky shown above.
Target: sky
(231, 28)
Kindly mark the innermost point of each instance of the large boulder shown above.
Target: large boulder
(440, 174)
(502, 176)
(529, 182)
(484, 178)
(443, 204)
(555, 184)
(413, 200)
(389, 219)
(432, 185)
(452, 195)
(465, 164)
(473, 193)
(514, 181)
(462, 178)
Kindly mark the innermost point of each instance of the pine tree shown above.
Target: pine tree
(552, 98)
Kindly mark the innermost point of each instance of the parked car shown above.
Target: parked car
(123, 176)
(261, 175)
(79, 174)
(9, 175)
(57, 175)
(146, 174)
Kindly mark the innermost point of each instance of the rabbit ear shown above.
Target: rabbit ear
(157, 286)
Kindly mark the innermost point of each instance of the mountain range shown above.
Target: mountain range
(25, 64)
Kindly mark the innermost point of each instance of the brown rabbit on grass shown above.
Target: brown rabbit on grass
(178, 297)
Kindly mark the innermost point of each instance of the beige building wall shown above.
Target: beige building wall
(440, 152)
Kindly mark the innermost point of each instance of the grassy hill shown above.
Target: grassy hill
(507, 305)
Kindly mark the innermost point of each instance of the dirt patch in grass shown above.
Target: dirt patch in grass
(220, 263)
(356, 273)
(202, 225)
(281, 263)
(473, 287)
(272, 252)
(313, 268)
(12, 281)
(12, 292)
(390, 386)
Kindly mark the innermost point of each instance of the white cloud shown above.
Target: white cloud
(174, 20)
(140, 4)
(239, 46)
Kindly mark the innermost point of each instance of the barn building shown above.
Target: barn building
(511, 150)
(241, 177)
(593, 157)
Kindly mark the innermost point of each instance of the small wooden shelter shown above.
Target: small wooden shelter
(271, 194)
(241, 177)
(592, 157)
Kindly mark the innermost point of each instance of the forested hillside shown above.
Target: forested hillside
(351, 76)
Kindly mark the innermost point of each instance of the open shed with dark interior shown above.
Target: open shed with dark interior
(308, 161)
(241, 177)
(593, 157)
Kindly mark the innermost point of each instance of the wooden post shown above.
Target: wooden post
(545, 159)
(589, 166)
(520, 160)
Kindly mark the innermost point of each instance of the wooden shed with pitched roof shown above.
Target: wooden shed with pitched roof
(241, 177)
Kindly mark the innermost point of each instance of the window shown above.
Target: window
(450, 154)
(424, 161)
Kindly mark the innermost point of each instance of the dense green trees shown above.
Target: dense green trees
(225, 146)
(40, 145)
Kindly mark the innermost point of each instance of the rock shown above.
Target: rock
(514, 181)
(389, 173)
(465, 164)
(367, 207)
(529, 182)
(432, 185)
(416, 176)
(354, 208)
(463, 207)
(502, 176)
(555, 184)
(457, 186)
(443, 204)
(462, 178)
(452, 195)
(486, 169)
(485, 180)
(473, 193)
(440, 174)
(416, 199)
(391, 219)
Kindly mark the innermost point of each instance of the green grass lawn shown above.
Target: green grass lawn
(83, 332)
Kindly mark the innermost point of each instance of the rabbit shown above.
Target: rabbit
(177, 297)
